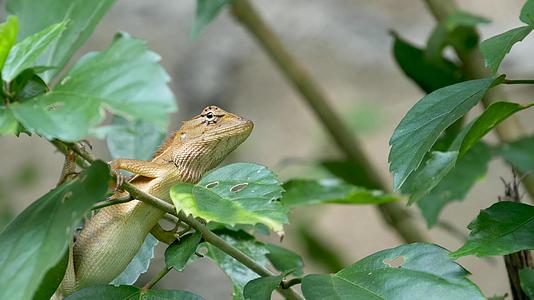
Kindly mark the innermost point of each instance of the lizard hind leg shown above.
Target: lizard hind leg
(68, 285)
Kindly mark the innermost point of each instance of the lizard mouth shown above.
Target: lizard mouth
(240, 130)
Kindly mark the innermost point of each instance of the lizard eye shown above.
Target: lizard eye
(210, 116)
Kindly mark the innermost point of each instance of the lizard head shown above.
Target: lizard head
(215, 125)
(205, 140)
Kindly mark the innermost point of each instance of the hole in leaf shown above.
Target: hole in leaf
(212, 184)
(238, 187)
(202, 250)
(394, 263)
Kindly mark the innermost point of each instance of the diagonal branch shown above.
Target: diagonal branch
(393, 213)
(207, 234)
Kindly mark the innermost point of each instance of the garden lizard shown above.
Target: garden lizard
(112, 237)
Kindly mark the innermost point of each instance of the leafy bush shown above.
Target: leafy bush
(435, 158)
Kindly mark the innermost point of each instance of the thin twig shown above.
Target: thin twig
(105, 203)
(518, 81)
(208, 235)
(171, 218)
(393, 213)
(285, 284)
(157, 278)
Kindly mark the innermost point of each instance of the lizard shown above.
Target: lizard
(112, 237)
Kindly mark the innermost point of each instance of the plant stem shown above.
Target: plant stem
(514, 263)
(519, 260)
(105, 203)
(519, 81)
(473, 63)
(218, 242)
(208, 235)
(285, 284)
(157, 278)
(393, 213)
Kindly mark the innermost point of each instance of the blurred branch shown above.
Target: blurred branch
(207, 234)
(473, 63)
(393, 213)
(324, 254)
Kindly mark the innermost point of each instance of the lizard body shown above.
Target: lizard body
(110, 239)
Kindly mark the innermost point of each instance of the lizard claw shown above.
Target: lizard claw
(119, 177)
(84, 144)
(202, 221)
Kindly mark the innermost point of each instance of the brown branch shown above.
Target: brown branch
(519, 260)
(473, 64)
(393, 213)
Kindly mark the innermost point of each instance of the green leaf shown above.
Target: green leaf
(519, 154)
(426, 120)
(307, 192)
(438, 164)
(262, 288)
(178, 253)
(495, 49)
(207, 10)
(25, 54)
(139, 264)
(491, 117)
(63, 115)
(128, 292)
(458, 30)
(503, 228)
(526, 276)
(83, 15)
(38, 238)
(26, 85)
(131, 139)
(52, 279)
(435, 166)
(429, 174)
(8, 37)
(414, 271)
(527, 13)
(429, 75)
(455, 185)
(126, 78)
(238, 273)
(240, 193)
(284, 260)
(462, 18)
(8, 123)
(350, 172)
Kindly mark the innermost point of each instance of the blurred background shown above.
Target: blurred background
(346, 46)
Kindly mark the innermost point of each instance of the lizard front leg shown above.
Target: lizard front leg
(150, 170)
(113, 236)
(140, 167)
(143, 168)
